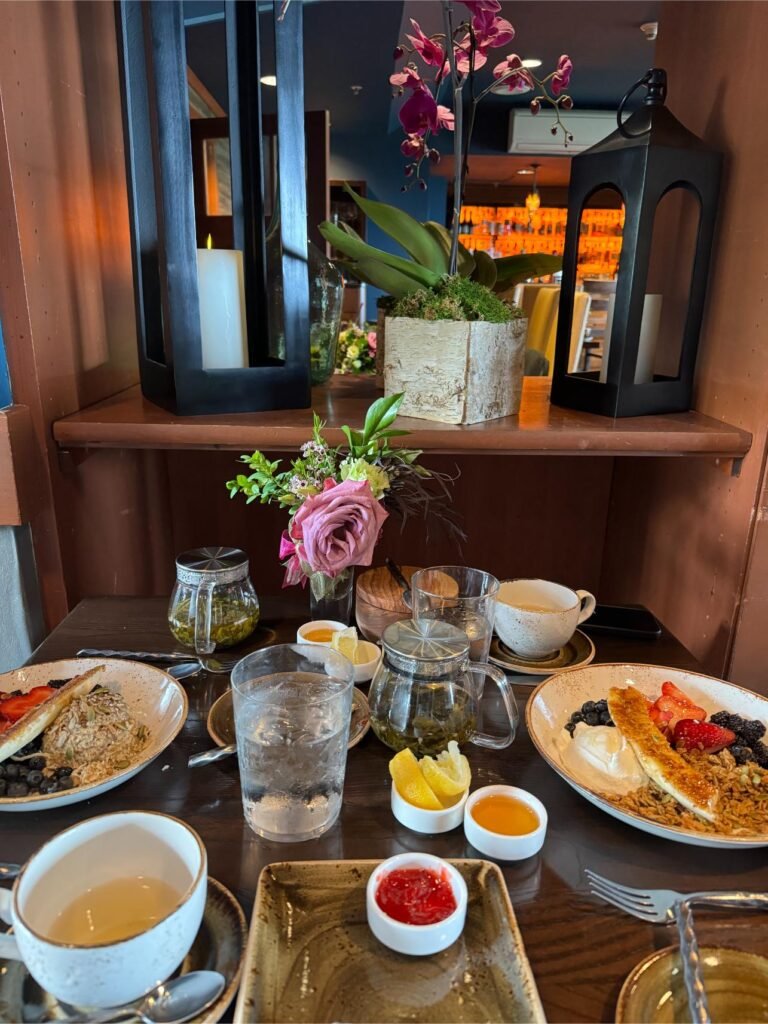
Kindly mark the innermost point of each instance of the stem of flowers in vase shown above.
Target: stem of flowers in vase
(458, 110)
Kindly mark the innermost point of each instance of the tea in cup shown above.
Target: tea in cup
(109, 908)
(535, 618)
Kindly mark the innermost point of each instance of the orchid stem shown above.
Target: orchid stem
(457, 139)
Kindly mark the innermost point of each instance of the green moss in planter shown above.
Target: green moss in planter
(456, 298)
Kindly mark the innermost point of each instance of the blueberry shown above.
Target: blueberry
(18, 789)
(2, 771)
(63, 772)
(66, 783)
(577, 717)
(741, 754)
(3, 785)
(57, 683)
(34, 778)
(23, 771)
(11, 772)
(49, 786)
(605, 718)
(588, 706)
(36, 763)
(592, 718)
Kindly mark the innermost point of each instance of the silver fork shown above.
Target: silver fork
(663, 906)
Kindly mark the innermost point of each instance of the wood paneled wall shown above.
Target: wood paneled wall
(66, 287)
(682, 531)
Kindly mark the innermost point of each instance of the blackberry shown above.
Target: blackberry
(760, 750)
(721, 718)
(751, 733)
(741, 754)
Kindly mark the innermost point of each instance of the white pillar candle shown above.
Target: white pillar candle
(649, 335)
(222, 308)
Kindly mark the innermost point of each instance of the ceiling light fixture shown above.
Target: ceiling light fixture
(532, 62)
(524, 170)
(268, 80)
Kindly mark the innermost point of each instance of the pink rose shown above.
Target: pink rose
(372, 340)
(339, 527)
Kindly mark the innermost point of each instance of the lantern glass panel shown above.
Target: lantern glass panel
(668, 285)
(600, 241)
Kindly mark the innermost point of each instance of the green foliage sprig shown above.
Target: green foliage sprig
(456, 298)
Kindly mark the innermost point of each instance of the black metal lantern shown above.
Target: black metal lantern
(668, 181)
(173, 281)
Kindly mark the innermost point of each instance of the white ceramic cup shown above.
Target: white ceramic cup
(416, 939)
(90, 854)
(496, 845)
(309, 627)
(536, 618)
(419, 819)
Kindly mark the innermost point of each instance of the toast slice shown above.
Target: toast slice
(39, 718)
(629, 711)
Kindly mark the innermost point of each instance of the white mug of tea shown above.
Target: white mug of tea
(107, 909)
(536, 618)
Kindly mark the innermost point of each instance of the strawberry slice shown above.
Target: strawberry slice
(15, 708)
(692, 735)
(670, 690)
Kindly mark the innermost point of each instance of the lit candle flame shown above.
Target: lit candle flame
(209, 242)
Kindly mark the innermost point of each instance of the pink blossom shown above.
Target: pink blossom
(562, 75)
(480, 6)
(373, 340)
(491, 31)
(290, 551)
(429, 51)
(408, 78)
(413, 146)
(418, 114)
(445, 118)
(461, 54)
(339, 527)
(515, 77)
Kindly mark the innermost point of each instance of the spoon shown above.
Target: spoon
(8, 871)
(184, 669)
(399, 578)
(211, 756)
(170, 1003)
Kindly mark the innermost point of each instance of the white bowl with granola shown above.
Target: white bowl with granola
(677, 754)
(72, 729)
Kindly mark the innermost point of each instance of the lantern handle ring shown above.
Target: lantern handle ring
(655, 81)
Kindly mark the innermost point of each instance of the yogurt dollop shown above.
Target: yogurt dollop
(599, 756)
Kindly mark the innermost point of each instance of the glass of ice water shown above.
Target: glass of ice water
(292, 706)
(464, 597)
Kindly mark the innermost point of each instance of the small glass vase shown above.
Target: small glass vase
(331, 597)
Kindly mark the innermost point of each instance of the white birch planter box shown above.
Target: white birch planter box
(455, 371)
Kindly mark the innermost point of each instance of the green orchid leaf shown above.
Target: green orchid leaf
(380, 276)
(406, 231)
(485, 269)
(355, 249)
(466, 261)
(512, 270)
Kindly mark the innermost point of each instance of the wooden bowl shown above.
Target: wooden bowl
(379, 600)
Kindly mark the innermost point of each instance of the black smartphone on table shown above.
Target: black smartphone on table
(623, 619)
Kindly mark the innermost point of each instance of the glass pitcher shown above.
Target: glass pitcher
(213, 604)
(426, 692)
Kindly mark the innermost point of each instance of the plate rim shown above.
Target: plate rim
(85, 792)
(533, 671)
(538, 1016)
(671, 832)
(217, 739)
(652, 958)
(217, 1010)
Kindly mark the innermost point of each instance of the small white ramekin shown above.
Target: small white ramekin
(429, 822)
(416, 939)
(366, 670)
(501, 847)
(302, 631)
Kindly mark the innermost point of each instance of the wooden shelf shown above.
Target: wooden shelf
(128, 420)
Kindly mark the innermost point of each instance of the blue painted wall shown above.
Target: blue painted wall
(376, 159)
(6, 397)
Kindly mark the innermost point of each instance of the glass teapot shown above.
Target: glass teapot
(213, 604)
(426, 692)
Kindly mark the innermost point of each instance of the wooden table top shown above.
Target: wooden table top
(128, 420)
(580, 950)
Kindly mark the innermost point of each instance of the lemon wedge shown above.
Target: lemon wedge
(410, 783)
(345, 641)
(448, 775)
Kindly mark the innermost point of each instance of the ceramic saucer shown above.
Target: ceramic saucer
(736, 983)
(579, 651)
(218, 946)
(221, 722)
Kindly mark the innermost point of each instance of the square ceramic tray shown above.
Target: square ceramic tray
(312, 958)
